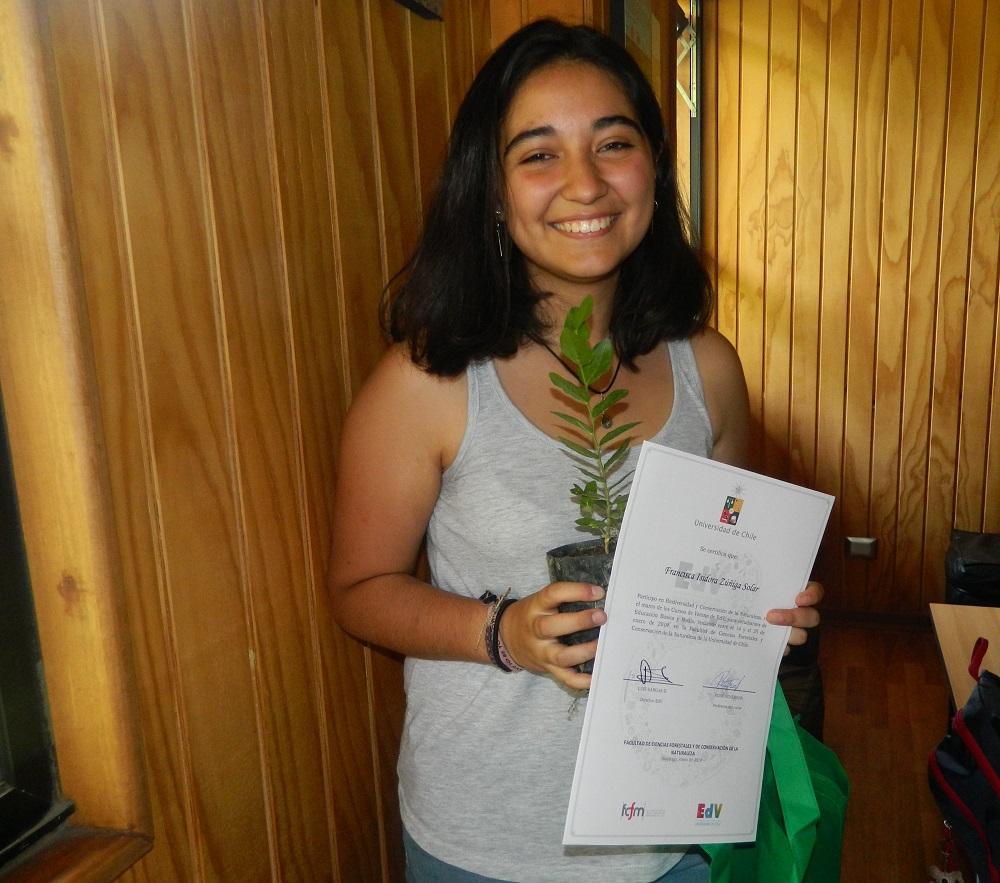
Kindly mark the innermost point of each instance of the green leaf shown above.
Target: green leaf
(578, 448)
(589, 474)
(574, 340)
(577, 317)
(574, 421)
(612, 398)
(619, 482)
(598, 364)
(616, 457)
(575, 349)
(580, 393)
(617, 431)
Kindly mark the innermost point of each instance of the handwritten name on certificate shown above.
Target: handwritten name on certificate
(675, 731)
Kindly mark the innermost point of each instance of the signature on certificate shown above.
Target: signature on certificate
(647, 674)
(728, 679)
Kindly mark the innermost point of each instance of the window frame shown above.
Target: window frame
(61, 478)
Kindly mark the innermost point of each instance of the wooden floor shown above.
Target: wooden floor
(886, 707)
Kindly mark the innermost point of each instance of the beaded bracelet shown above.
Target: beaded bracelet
(503, 654)
(496, 650)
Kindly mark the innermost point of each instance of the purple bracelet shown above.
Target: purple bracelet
(505, 660)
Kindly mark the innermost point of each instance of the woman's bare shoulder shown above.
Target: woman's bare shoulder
(402, 399)
(714, 348)
(726, 397)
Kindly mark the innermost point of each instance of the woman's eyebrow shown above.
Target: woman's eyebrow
(599, 124)
(616, 120)
(540, 132)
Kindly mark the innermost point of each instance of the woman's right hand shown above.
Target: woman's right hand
(531, 627)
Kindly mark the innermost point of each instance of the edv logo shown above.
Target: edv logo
(709, 810)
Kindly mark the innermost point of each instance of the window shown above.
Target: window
(687, 20)
(30, 804)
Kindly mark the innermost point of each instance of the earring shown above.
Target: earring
(499, 223)
(656, 205)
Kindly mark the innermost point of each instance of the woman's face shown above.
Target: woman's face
(579, 177)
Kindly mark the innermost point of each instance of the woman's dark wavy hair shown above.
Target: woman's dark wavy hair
(458, 300)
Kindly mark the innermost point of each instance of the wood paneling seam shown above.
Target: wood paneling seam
(994, 386)
(905, 332)
(944, 177)
(739, 177)
(793, 276)
(338, 254)
(937, 292)
(969, 253)
(376, 142)
(323, 699)
(821, 266)
(996, 300)
(880, 252)
(235, 467)
(414, 121)
(850, 247)
(138, 365)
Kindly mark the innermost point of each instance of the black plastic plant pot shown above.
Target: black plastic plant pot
(583, 562)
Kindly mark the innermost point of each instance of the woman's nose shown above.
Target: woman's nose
(584, 182)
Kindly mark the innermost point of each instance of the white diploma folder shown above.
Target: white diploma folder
(672, 750)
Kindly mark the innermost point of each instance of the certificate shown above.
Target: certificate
(672, 750)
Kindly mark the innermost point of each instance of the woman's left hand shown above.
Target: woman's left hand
(801, 617)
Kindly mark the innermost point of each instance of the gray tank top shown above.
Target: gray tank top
(487, 758)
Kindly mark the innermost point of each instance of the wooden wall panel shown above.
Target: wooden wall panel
(974, 504)
(751, 205)
(80, 62)
(890, 353)
(807, 237)
(953, 291)
(174, 289)
(720, 233)
(329, 368)
(865, 243)
(872, 356)
(253, 324)
(779, 229)
(430, 98)
(987, 214)
(840, 85)
(928, 167)
(506, 16)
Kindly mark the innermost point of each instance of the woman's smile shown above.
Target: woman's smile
(586, 225)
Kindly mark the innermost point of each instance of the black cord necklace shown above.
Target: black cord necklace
(606, 420)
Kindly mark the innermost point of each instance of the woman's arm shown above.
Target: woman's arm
(401, 428)
(402, 431)
(729, 410)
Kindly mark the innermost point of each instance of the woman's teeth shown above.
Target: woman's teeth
(591, 226)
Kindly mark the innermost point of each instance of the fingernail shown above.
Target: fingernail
(599, 617)
(597, 591)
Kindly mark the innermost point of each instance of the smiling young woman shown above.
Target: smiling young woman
(558, 184)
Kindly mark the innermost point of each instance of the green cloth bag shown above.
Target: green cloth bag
(800, 826)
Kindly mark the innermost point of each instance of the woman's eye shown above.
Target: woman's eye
(538, 156)
(615, 146)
